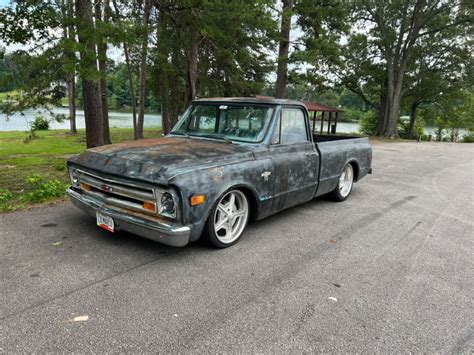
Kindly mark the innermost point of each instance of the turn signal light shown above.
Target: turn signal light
(150, 206)
(198, 200)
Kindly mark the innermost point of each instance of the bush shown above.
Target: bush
(368, 123)
(418, 128)
(59, 164)
(468, 138)
(41, 190)
(5, 198)
(40, 124)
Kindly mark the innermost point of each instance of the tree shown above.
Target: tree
(438, 70)
(143, 67)
(37, 73)
(124, 41)
(100, 21)
(452, 113)
(284, 47)
(209, 48)
(89, 74)
(321, 25)
(49, 29)
(393, 29)
(67, 13)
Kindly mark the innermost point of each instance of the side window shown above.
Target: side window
(292, 126)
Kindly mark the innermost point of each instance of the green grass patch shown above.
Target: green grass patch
(11, 95)
(35, 172)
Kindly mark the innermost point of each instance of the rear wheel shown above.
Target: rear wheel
(344, 185)
(228, 219)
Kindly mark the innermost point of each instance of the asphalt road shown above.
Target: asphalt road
(389, 270)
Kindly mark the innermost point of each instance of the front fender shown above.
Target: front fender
(254, 176)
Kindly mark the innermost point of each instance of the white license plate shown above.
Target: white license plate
(105, 222)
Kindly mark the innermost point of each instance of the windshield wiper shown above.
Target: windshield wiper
(212, 136)
(180, 133)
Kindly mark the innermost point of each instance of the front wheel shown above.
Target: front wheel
(228, 219)
(344, 185)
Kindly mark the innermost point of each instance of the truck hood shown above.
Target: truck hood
(158, 160)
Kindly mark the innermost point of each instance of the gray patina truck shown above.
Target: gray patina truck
(226, 161)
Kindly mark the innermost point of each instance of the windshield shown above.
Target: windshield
(246, 123)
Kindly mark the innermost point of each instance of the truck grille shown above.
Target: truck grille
(117, 193)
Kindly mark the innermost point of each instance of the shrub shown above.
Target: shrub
(41, 190)
(40, 123)
(418, 128)
(368, 123)
(468, 137)
(5, 198)
(59, 165)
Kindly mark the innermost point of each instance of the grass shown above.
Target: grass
(11, 95)
(44, 156)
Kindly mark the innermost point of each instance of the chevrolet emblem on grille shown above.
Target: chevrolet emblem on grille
(106, 188)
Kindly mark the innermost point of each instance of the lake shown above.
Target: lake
(19, 122)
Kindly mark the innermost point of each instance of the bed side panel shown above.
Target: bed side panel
(336, 154)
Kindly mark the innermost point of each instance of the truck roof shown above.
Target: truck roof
(253, 99)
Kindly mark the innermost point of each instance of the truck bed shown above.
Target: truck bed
(317, 138)
(335, 152)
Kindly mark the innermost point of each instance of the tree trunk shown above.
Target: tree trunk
(90, 86)
(131, 88)
(394, 89)
(191, 72)
(382, 116)
(173, 101)
(71, 96)
(130, 77)
(413, 108)
(144, 52)
(284, 47)
(102, 55)
(391, 129)
(165, 119)
(68, 35)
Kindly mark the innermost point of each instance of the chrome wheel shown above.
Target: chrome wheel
(230, 216)
(346, 180)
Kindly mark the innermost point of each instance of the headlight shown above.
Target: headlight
(167, 205)
(74, 177)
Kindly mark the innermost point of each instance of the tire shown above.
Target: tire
(344, 184)
(231, 213)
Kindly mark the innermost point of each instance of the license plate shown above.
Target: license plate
(105, 222)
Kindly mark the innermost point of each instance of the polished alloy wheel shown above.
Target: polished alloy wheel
(231, 216)
(346, 180)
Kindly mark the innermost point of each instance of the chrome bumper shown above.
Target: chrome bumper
(154, 230)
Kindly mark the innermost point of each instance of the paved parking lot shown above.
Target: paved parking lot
(390, 269)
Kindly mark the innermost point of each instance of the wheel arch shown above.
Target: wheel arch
(356, 167)
(249, 193)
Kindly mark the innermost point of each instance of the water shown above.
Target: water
(18, 122)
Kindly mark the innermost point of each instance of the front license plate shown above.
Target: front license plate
(105, 222)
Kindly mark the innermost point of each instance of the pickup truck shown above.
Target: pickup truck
(227, 160)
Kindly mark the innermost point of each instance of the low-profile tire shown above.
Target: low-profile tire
(228, 219)
(344, 184)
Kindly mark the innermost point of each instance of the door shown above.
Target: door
(296, 160)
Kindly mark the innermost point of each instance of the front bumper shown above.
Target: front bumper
(176, 236)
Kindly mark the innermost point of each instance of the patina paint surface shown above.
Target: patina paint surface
(157, 160)
(273, 176)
